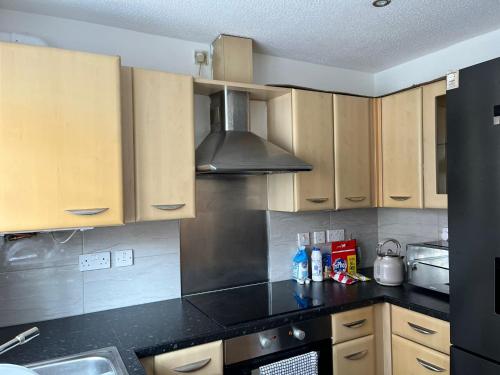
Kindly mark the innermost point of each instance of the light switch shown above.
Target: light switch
(123, 258)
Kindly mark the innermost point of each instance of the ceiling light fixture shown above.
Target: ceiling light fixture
(381, 3)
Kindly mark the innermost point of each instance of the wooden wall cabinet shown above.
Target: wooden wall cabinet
(352, 152)
(303, 125)
(232, 59)
(401, 143)
(164, 145)
(435, 144)
(60, 139)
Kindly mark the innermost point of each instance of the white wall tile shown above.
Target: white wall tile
(150, 279)
(146, 239)
(40, 294)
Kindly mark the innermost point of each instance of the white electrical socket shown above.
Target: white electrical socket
(123, 258)
(335, 235)
(95, 261)
(319, 237)
(303, 239)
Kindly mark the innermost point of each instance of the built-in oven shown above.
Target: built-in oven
(300, 348)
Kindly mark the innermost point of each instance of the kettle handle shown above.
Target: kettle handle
(382, 243)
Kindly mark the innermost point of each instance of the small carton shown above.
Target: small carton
(344, 256)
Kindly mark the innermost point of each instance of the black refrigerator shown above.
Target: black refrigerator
(473, 125)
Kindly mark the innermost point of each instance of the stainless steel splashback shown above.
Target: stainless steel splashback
(226, 244)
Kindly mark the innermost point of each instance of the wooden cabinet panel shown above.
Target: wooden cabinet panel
(402, 149)
(352, 149)
(313, 143)
(421, 328)
(434, 140)
(409, 358)
(60, 139)
(149, 365)
(352, 324)
(203, 359)
(232, 59)
(355, 357)
(164, 145)
(308, 134)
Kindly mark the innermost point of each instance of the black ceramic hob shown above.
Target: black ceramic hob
(233, 306)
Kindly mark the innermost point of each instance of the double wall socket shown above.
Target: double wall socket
(335, 235)
(95, 261)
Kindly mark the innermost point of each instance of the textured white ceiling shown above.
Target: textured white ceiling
(344, 33)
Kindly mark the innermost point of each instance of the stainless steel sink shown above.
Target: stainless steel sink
(105, 361)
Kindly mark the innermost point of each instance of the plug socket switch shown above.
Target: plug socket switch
(303, 239)
(319, 237)
(123, 258)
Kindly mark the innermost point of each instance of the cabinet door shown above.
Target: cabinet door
(402, 149)
(355, 357)
(164, 145)
(312, 114)
(435, 144)
(60, 139)
(409, 358)
(352, 149)
(206, 359)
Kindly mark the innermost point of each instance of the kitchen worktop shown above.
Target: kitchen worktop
(154, 328)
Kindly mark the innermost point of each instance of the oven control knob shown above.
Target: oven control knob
(299, 334)
(265, 343)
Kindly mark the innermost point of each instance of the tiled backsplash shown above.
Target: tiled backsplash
(40, 279)
(283, 228)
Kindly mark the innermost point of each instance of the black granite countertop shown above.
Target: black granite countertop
(154, 328)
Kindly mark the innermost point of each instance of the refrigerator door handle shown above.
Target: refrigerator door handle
(429, 366)
(420, 329)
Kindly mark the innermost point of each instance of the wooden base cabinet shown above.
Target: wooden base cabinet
(164, 145)
(303, 125)
(355, 357)
(60, 139)
(409, 358)
(206, 359)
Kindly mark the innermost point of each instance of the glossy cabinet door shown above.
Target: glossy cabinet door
(402, 149)
(435, 145)
(352, 149)
(409, 358)
(306, 130)
(164, 145)
(355, 357)
(206, 359)
(60, 139)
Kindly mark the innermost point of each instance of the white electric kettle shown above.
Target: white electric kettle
(389, 268)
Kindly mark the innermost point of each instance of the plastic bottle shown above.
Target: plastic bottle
(300, 265)
(316, 264)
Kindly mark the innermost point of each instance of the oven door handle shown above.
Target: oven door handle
(191, 367)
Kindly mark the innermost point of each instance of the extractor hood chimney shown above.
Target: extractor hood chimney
(231, 148)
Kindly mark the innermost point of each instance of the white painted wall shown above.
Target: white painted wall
(434, 65)
(175, 55)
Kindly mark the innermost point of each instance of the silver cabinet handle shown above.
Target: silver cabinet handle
(356, 199)
(317, 200)
(420, 329)
(400, 198)
(429, 366)
(356, 356)
(356, 324)
(192, 367)
(87, 211)
(168, 207)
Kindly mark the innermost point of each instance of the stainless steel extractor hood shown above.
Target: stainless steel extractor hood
(231, 148)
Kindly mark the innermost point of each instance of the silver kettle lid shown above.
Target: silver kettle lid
(389, 252)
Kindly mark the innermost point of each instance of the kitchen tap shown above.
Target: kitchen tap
(20, 339)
